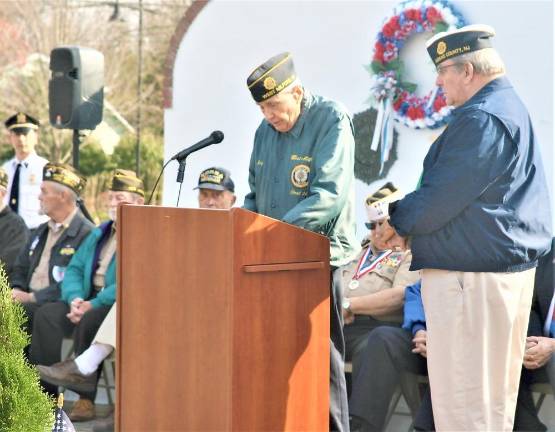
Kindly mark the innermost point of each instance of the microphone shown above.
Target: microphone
(214, 138)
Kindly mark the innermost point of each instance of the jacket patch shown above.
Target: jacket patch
(34, 244)
(58, 273)
(68, 250)
(299, 175)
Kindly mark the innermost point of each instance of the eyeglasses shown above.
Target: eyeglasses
(373, 225)
(441, 69)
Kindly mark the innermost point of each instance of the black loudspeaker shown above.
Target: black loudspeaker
(76, 88)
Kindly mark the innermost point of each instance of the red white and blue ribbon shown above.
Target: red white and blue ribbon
(366, 264)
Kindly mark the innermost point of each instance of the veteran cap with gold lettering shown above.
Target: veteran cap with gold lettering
(216, 179)
(271, 77)
(64, 174)
(3, 178)
(127, 181)
(20, 120)
(446, 45)
(378, 202)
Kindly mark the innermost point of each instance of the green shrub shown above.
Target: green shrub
(23, 405)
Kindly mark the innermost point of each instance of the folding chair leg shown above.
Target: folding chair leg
(392, 406)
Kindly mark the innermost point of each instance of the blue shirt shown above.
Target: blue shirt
(413, 311)
(305, 176)
(483, 204)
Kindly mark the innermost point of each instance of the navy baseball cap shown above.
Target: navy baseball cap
(216, 179)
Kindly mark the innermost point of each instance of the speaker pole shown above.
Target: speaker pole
(76, 142)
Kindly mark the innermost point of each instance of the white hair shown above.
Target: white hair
(486, 62)
(69, 192)
(296, 83)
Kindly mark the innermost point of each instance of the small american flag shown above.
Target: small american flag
(61, 422)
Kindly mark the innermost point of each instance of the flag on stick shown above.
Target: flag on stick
(61, 422)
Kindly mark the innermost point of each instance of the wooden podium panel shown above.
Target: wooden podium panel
(223, 322)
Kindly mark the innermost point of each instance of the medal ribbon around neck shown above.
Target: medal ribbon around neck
(366, 264)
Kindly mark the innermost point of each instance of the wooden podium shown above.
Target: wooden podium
(223, 322)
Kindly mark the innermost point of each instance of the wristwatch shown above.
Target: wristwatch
(346, 304)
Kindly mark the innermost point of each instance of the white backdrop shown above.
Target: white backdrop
(330, 41)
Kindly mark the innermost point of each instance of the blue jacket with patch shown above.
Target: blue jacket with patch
(483, 204)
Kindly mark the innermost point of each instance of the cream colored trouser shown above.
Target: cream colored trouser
(106, 333)
(476, 325)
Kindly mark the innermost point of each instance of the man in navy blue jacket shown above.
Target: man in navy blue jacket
(477, 225)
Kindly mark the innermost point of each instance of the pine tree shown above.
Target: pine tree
(23, 405)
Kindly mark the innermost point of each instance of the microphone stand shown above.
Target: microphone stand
(180, 175)
(214, 138)
(181, 169)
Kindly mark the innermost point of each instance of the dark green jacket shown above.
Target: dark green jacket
(305, 177)
(13, 237)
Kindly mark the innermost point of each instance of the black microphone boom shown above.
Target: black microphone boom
(214, 138)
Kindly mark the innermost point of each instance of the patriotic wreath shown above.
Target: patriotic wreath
(389, 89)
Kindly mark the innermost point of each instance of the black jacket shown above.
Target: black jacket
(543, 293)
(61, 254)
(14, 234)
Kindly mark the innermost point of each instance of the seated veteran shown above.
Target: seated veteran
(13, 231)
(40, 267)
(540, 345)
(88, 292)
(216, 191)
(539, 356)
(374, 284)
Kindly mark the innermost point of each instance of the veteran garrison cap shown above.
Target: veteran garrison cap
(64, 174)
(446, 45)
(378, 202)
(271, 77)
(127, 181)
(3, 178)
(216, 179)
(20, 120)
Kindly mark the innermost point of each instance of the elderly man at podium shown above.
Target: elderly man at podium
(302, 172)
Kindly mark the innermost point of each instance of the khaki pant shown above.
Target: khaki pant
(476, 325)
(107, 332)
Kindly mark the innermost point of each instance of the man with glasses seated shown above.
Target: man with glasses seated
(374, 284)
